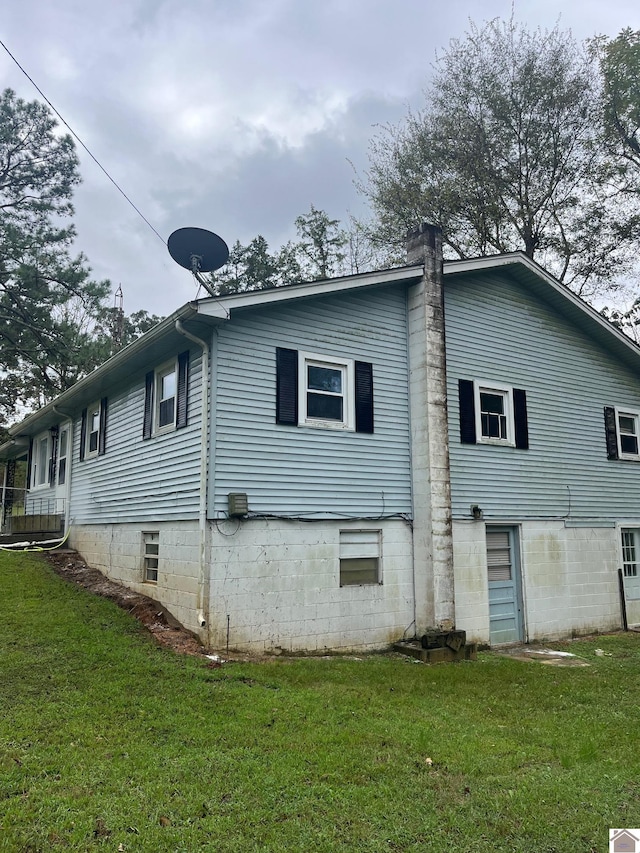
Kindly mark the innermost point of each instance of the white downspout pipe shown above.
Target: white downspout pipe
(202, 602)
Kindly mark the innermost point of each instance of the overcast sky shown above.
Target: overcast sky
(235, 115)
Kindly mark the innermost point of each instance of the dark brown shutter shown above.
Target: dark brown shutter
(147, 425)
(102, 435)
(29, 461)
(286, 386)
(9, 482)
(182, 399)
(610, 432)
(364, 396)
(83, 434)
(467, 411)
(53, 458)
(520, 418)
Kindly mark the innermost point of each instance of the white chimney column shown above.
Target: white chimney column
(433, 547)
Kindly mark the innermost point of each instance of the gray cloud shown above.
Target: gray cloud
(235, 116)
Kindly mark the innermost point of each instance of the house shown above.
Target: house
(376, 455)
(623, 841)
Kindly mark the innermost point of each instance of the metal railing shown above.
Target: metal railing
(23, 511)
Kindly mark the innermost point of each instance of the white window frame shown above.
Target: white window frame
(506, 392)
(88, 452)
(36, 459)
(159, 374)
(627, 413)
(346, 367)
(64, 428)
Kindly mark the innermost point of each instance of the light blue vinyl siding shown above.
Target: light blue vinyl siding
(140, 480)
(498, 333)
(292, 470)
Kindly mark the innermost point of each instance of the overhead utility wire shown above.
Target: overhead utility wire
(73, 133)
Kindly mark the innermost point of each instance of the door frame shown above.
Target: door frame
(514, 531)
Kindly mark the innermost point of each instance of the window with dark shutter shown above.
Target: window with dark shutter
(147, 425)
(102, 434)
(182, 394)
(520, 418)
(287, 386)
(83, 434)
(467, 411)
(364, 396)
(610, 432)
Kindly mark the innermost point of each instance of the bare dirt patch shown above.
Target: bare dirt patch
(166, 630)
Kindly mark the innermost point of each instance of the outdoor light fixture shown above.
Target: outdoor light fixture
(476, 512)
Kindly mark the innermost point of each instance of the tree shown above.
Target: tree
(619, 61)
(43, 289)
(505, 156)
(319, 253)
(321, 247)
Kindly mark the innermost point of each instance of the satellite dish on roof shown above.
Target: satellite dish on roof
(199, 251)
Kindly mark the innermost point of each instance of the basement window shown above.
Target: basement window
(151, 551)
(630, 553)
(360, 561)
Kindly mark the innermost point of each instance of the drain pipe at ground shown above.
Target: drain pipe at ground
(202, 603)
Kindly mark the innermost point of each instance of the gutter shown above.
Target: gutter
(118, 360)
(202, 601)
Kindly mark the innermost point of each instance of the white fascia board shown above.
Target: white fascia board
(222, 306)
(519, 258)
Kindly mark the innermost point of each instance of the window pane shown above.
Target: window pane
(62, 443)
(629, 444)
(492, 403)
(168, 386)
(358, 571)
(325, 379)
(93, 442)
(62, 471)
(95, 421)
(627, 424)
(494, 426)
(43, 447)
(324, 407)
(165, 415)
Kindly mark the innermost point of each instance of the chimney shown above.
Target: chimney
(433, 548)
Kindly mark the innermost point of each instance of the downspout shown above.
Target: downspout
(202, 601)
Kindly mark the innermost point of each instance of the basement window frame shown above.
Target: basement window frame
(150, 556)
(361, 558)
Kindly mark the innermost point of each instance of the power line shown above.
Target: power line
(73, 133)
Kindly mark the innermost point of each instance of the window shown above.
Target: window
(165, 401)
(630, 553)
(622, 432)
(150, 555)
(493, 414)
(326, 393)
(40, 461)
(323, 392)
(93, 430)
(360, 557)
(63, 448)
(165, 414)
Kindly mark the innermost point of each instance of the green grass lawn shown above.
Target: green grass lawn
(108, 742)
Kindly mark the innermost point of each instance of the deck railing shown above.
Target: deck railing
(22, 511)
